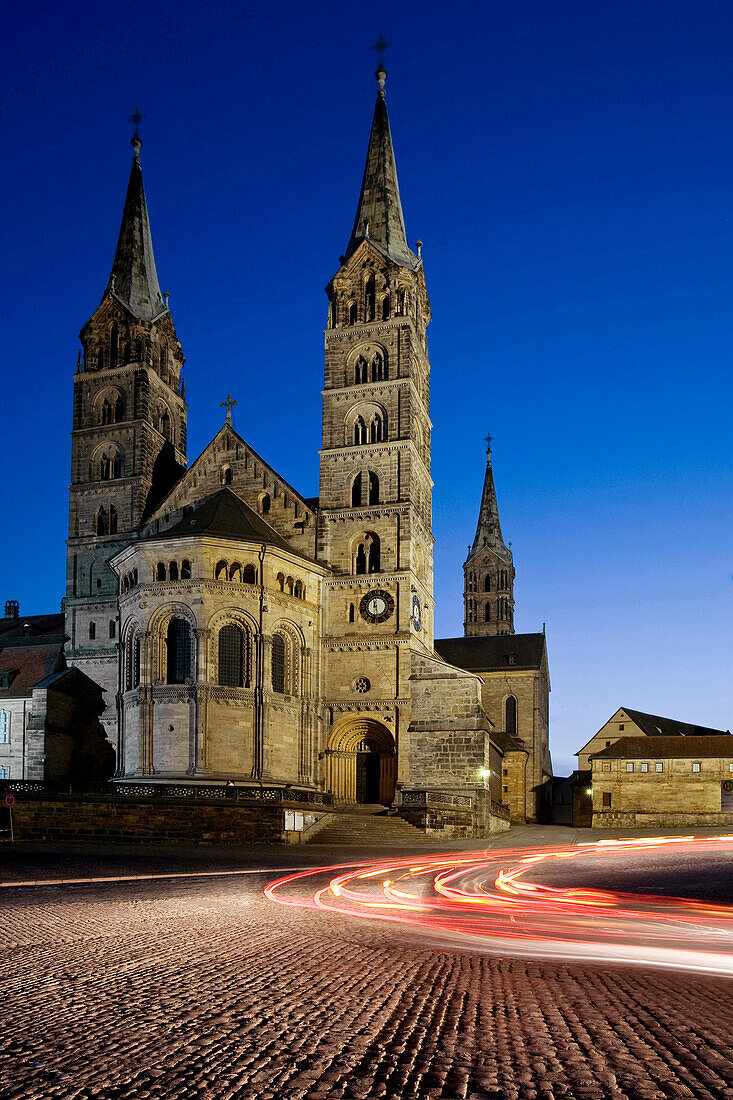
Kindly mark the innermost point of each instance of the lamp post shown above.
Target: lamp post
(258, 756)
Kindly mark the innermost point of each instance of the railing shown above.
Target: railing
(499, 809)
(180, 792)
(436, 798)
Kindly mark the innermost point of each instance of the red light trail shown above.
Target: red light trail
(488, 901)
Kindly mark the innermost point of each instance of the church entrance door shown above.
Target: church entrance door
(361, 762)
(367, 772)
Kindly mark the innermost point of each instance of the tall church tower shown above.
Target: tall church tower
(488, 591)
(375, 498)
(128, 440)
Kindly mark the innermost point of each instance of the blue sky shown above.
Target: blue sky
(568, 169)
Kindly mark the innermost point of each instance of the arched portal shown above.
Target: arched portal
(361, 762)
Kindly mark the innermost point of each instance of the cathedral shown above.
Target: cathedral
(245, 633)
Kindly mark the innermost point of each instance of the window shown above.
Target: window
(644, 766)
(4, 727)
(359, 431)
(4, 773)
(378, 372)
(659, 766)
(620, 726)
(366, 556)
(100, 523)
(92, 631)
(356, 492)
(185, 570)
(299, 591)
(629, 765)
(265, 503)
(160, 571)
(351, 619)
(280, 581)
(697, 766)
(607, 743)
(369, 299)
(510, 716)
(506, 790)
(233, 651)
(607, 799)
(505, 771)
(730, 767)
(503, 609)
(235, 571)
(112, 520)
(385, 308)
(487, 612)
(606, 766)
(249, 576)
(178, 646)
(373, 488)
(487, 583)
(114, 344)
(278, 664)
(173, 570)
(112, 628)
(226, 475)
(376, 429)
(502, 579)
(352, 313)
(360, 370)
(220, 571)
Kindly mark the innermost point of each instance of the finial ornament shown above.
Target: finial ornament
(228, 405)
(381, 74)
(489, 441)
(135, 141)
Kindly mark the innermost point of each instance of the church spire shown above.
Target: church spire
(379, 213)
(134, 280)
(488, 529)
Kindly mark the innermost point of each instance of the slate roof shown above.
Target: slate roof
(134, 280)
(674, 747)
(492, 654)
(29, 665)
(32, 630)
(224, 515)
(654, 726)
(488, 529)
(379, 216)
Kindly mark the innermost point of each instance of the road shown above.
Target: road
(201, 986)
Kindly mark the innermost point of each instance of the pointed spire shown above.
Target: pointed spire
(488, 530)
(134, 280)
(379, 213)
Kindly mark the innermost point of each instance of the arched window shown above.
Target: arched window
(487, 612)
(356, 492)
(92, 631)
(226, 475)
(377, 367)
(232, 656)
(249, 574)
(373, 488)
(487, 583)
(100, 359)
(369, 298)
(112, 628)
(299, 591)
(105, 468)
(165, 425)
(132, 662)
(265, 503)
(360, 370)
(402, 303)
(235, 571)
(119, 409)
(360, 432)
(114, 345)
(376, 429)
(112, 520)
(220, 571)
(278, 664)
(139, 349)
(117, 465)
(351, 612)
(100, 523)
(360, 564)
(126, 352)
(503, 579)
(352, 313)
(366, 554)
(160, 571)
(280, 581)
(385, 308)
(503, 609)
(106, 412)
(178, 651)
(289, 584)
(510, 716)
(185, 570)
(173, 571)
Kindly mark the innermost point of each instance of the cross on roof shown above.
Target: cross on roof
(136, 119)
(228, 405)
(380, 46)
(489, 441)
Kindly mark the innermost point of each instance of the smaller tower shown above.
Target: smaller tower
(488, 589)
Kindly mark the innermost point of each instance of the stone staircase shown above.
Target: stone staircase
(371, 827)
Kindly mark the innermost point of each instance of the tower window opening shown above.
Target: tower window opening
(265, 503)
(112, 520)
(280, 581)
(173, 571)
(185, 570)
(226, 475)
(503, 609)
(112, 628)
(487, 583)
(178, 651)
(278, 664)
(249, 575)
(503, 579)
(356, 492)
(360, 432)
(114, 342)
(233, 650)
(92, 631)
(373, 488)
(377, 367)
(510, 716)
(487, 612)
(235, 571)
(360, 370)
(351, 613)
(385, 308)
(376, 429)
(160, 571)
(220, 571)
(352, 313)
(369, 299)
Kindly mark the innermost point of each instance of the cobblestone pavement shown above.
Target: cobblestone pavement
(199, 987)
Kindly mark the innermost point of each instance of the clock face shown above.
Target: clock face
(377, 606)
(416, 616)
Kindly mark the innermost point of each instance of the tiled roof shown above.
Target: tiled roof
(655, 726)
(32, 629)
(27, 666)
(490, 654)
(671, 748)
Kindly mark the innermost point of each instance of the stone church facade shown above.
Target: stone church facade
(245, 632)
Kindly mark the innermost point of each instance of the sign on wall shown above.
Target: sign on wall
(726, 795)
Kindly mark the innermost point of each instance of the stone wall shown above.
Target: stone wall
(140, 821)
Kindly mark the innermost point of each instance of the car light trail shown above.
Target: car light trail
(489, 901)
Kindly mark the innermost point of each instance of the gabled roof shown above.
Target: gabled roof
(224, 515)
(505, 652)
(379, 216)
(671, 748)
(654, 726)
(488, 528)
(30, 630)
(134, 280)
(29, 665)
